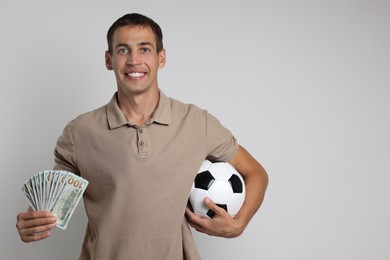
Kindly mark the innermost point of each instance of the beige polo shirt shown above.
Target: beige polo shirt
(140, 177)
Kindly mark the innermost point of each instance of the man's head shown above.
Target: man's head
(135, 54)
(135, 19)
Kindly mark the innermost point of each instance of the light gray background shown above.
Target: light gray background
(304, 86)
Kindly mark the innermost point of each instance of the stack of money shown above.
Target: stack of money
(56, 191)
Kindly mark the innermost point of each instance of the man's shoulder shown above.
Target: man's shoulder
(92, 117)
(180, 107)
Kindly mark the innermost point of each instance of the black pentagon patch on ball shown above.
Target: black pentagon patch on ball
(204, 180)
(211, 213)
(236, 184)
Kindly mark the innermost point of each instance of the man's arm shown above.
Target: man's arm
(256, 181)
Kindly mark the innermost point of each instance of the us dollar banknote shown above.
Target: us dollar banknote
(56, 191)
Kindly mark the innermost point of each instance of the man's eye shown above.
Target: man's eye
(145, 49)
(122, 51)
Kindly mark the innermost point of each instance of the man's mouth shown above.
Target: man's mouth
(135, 74)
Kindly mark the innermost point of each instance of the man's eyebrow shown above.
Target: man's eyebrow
(138, 44)
(145, 43)
(121, 45)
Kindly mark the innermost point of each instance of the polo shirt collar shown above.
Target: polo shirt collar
(116, 118)
(162, 114)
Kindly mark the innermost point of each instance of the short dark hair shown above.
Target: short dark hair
(135, 19)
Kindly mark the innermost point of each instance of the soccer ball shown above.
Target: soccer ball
(220, 182)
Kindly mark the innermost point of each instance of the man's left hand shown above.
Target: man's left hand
(221, 225)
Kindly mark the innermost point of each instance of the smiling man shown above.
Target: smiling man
(140, 154)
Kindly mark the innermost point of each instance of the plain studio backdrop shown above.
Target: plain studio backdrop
(303, 85)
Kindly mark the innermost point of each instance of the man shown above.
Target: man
(140, 154)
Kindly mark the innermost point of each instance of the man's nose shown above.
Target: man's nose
(132, 59)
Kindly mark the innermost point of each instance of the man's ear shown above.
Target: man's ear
(162, 58)
(108, 60)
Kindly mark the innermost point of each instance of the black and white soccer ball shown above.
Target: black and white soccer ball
(220, 182)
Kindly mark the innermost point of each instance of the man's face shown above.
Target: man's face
(134, 59)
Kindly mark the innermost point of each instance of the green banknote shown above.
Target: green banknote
(56, 191)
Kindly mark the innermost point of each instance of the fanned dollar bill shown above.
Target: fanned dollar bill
(56, 191)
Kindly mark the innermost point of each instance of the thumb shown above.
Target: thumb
(216, 208)
(209, 203)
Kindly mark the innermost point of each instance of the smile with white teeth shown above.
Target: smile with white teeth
(135, 74)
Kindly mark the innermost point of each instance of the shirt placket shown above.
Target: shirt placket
(142, 144)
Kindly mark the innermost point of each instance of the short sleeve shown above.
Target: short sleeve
(64, 152)
(221, 144)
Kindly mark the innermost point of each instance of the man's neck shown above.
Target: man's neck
(138, 108)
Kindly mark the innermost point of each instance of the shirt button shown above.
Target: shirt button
(140, 131)
(141, 143)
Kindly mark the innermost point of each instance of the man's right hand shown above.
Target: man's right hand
(35, 225)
